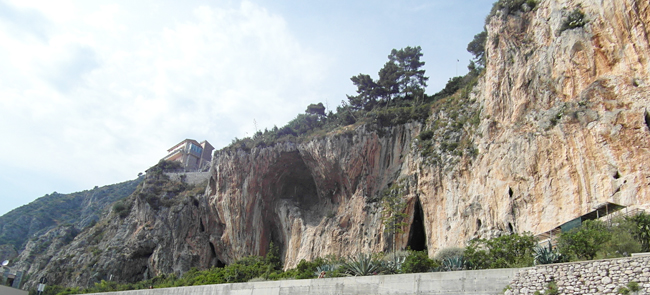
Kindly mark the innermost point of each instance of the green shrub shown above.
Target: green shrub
(583, 243)
(418, 261)
(506, 251)
(121, 209)
(622, 242)
(425, 135)
(633, 286)
(165, 166)
(551, 288)
(510, 6)
(387, 117)
(448, 253)
(641, 229)
(575, 19)
(304, 270)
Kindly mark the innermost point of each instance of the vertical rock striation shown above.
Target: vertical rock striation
(311, 199)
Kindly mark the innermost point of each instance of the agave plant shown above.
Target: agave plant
(392, 263)
(363, 265)
(547, 255)
(453, 263)
(393, 266)
(328, 268)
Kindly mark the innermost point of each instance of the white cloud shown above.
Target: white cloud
(99, 96)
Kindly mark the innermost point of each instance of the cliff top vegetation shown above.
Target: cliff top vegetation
(396, 97)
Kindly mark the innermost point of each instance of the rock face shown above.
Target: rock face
(568, 117)
(564, 126)
(45, 213)
(311, 199)
(154, 231)
(562, 123)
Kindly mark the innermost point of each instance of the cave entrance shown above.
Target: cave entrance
(291, 179)
(417, 234)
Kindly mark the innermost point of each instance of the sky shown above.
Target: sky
(94, 92)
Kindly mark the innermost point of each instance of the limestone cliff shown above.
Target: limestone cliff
(558, 122)
(564, 126)
(566, 122)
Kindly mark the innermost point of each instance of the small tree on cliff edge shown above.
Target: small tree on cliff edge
(393, 208)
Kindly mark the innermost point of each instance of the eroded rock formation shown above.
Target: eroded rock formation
(564, 126)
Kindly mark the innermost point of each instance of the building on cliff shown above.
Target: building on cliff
(10, 278)
(193, 156)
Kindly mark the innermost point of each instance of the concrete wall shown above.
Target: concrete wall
(11, 291)
(585, 277)
(477, 282)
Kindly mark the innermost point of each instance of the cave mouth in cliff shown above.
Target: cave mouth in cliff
(647, 119)
(417, 235)
(219, 264)
(292, 180)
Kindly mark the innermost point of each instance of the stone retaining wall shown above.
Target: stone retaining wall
(585, 277)
(190, 177)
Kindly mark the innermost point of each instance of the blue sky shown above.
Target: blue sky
(94, 92)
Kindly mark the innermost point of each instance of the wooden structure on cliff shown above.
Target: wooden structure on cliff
(601, 210)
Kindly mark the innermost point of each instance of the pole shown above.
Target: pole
(394, 254)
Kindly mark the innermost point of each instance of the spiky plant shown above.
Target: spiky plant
(453, 263)
(392, 263)
(393, 266)
(547, 255)
(328, 268)
(362, 265)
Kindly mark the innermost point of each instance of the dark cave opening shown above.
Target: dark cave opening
(213, 251)
(647, 119)
(291, 179)
(216, 262)
(219, 264)
(417, 235)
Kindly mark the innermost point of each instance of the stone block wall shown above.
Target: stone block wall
(190, 177)
(584, 277)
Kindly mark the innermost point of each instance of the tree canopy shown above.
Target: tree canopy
(477, 48)
(411, 80)
(401, 78)
(316, 109)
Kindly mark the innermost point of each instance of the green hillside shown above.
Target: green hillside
(80, 209)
